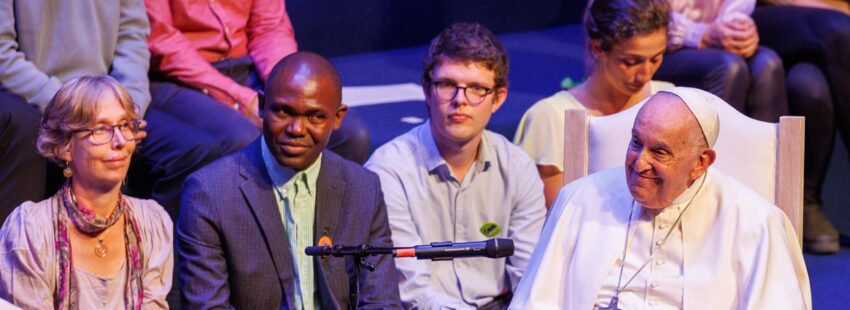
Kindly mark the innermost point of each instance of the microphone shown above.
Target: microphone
(446, 250)
(322, 250)
(342, 250)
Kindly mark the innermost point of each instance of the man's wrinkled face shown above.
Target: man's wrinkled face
(300, 112)
(662, 161)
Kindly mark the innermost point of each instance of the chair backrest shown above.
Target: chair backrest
(768, 157)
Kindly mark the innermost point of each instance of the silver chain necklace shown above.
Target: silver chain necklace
(612, 304)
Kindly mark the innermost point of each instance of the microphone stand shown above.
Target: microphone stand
(353, 264)
(493, 248)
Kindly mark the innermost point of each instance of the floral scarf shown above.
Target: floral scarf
(88, 222)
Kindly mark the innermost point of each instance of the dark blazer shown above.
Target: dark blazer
(234, 253)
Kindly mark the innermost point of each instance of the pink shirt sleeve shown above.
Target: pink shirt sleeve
(270, 35)
(173, 55)
(690, 19)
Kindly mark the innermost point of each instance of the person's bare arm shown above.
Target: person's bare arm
(553, 180)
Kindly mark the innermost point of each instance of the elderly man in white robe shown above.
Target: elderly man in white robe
(669, 233)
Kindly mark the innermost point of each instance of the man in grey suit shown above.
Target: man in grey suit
(246, 218)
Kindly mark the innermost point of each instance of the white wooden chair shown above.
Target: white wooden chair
(768, 157)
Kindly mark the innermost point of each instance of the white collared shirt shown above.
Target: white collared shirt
(426, 203)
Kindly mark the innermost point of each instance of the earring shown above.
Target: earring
(67, 170)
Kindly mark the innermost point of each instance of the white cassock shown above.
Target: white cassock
(738, 251)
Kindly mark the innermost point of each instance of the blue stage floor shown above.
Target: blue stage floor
(539, 61)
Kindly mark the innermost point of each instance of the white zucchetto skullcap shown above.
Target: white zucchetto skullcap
(700, 102)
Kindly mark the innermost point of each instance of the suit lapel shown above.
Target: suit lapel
(330, 190)
(257, 188)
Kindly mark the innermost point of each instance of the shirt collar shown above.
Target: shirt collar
(434, 160)
(280, 174)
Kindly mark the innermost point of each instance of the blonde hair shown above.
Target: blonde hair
(75, 107)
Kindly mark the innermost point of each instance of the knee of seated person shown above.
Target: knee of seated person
(190, 160)
(807, 85)
(837, 32)
(352, 139)
(358, 133)
(351, 142)
(199, 154)
(733, 67)
(360, 140)
(22, 119)
(766, 63)
(245, 137)
(237, 137)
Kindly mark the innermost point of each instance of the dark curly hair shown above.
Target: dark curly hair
(467, 42)
(614, 21)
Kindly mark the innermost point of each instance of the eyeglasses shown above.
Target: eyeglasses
(474, 94)
(103, 134)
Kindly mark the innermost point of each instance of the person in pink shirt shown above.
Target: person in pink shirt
(222, 49)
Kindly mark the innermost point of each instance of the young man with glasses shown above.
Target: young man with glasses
(451, 180)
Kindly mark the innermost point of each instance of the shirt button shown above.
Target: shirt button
(659, 262)
(655, 284)
(205, 91)
(659, 243)
(662, 226)
(227, 29)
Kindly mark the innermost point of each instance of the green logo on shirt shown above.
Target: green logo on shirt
(490, 229)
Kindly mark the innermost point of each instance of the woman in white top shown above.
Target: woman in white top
(626, 42)
(88, 246)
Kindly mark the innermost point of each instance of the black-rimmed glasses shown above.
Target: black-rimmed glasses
(104, 133)
(474, 94)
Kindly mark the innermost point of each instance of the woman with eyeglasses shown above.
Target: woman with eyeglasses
(626, 41)
(88, 246)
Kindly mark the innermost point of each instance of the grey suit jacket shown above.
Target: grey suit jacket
(233, 251)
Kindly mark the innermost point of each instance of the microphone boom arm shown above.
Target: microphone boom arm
(445, 250)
